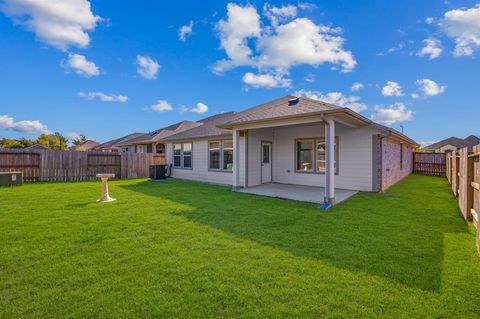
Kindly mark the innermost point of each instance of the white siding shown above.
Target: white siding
(200, 171)
(355, 156)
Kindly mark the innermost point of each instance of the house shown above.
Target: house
(292, 141)
(152, 142)
(85, 146)
(113, 145)
(37, 147)
(453, 144)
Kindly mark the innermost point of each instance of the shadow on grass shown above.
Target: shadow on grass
(398, 238)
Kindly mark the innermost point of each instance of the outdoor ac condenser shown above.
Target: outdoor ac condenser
(11, 178)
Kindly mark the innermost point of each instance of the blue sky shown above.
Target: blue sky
(110, 68)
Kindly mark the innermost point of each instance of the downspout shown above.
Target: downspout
(325, 204)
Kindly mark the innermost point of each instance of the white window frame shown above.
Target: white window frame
(315, 155)
(222, 158)
(182, 155)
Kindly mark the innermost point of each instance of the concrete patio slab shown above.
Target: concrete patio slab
(301, 193)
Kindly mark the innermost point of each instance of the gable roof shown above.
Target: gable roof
(85, 146)
(115, 142)
(37, 146)
(469, 142)
(207, 127)
(280, 108)
(283, 108)
(161, 133)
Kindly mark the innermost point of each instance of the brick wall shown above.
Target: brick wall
(392, 171)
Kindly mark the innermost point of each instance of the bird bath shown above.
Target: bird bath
(105, 196)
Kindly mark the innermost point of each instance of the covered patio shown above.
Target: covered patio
(301, 193)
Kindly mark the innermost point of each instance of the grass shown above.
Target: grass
(184, 249)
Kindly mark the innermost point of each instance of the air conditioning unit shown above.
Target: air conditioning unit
(158, 171)
(11, 178)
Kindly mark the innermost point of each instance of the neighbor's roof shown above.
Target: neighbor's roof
(115, 142)
(207, 127)
(469, 142)
(36, 147)
(85, 146)
(162, 133)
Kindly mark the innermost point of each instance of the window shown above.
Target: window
(140, 149)
(311, 153)
(182, 155)
(220, 154)
(305, 155)
(266, 154)
(321, 147)
(401, 156)
(214, 153)
(227, 147)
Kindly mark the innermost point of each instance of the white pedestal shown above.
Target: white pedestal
(105, 196)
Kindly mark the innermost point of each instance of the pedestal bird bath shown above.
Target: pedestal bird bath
(105, 196)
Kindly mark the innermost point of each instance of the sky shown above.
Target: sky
(110, 68)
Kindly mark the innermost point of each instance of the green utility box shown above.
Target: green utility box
(11, 179)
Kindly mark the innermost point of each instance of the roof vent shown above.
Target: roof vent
(293, 101)
(153, 133)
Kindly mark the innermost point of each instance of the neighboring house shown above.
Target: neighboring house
(453, 144)
(37, 147)
(292, 141)
(114, 145)
(85, 146)
(153, 142)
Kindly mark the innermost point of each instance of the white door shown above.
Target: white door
(266, 162)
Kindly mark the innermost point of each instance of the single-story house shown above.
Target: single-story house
(152, 142)
(453, 144)
(114, 145)
(37, 147)
(292, 141)
(85, 146)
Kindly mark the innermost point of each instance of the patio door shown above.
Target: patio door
(266, 162)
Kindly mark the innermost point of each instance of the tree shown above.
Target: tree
(54, 141)
(16, 143)
(79, 140)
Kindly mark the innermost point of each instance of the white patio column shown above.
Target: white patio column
(236, 160)
(330, 162)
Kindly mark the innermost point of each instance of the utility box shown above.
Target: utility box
(158, 172)
(11, 179)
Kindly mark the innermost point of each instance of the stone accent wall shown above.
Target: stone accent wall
(392, 171)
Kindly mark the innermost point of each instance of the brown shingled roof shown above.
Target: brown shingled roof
(114, 143)
(162, 133)
(469, 142)
(207, 128)
(281, 108)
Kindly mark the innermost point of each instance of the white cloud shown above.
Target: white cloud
(161, 106)
(464, 27)
(392, 89)
(279, 14)
(279, 46)
(310, 78)
(184, 31)
(104, 97)
(429, 20)
(430, 87)
(73, 135)
(242, 23)
(399, 47)
(59, 23)
(25, 126)
(147, 67)
(432, 49)
(336, 98)
(81, 66)
(415, 96)
(357, 86)
(266, 80)
(391, 114)
(200, 108)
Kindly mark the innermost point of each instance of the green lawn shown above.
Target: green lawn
(184, 249)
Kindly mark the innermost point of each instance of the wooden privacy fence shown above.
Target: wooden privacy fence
(50, 165)
(429, 163)
(464, 175)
